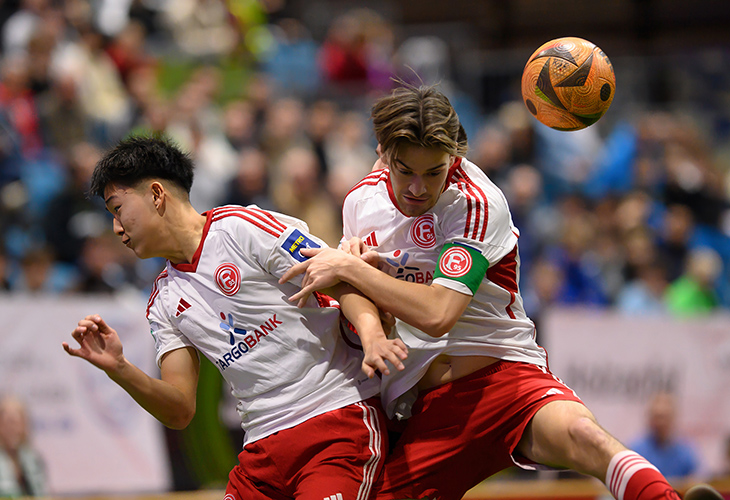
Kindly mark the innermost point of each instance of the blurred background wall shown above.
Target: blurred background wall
(626, 222)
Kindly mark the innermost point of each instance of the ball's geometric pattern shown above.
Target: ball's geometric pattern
(568, 83)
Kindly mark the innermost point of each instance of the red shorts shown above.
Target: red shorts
(337, 455)
(464, 431)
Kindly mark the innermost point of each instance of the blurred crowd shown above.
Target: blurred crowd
(634, 216)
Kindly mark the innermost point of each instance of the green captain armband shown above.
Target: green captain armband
(462, 263)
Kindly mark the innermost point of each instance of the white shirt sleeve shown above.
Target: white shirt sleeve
(493, 235)
(276, 253)
(167, 337)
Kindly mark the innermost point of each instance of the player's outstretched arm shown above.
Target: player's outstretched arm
(170, 399)
(380, 351)
(434, 309)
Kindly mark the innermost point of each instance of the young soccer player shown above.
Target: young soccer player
(476, 386)
(313, 428)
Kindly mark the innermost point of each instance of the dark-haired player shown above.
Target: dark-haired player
(313, 429)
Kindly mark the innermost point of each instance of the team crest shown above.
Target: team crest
(228, 278)
(455, 262)
(422, 231)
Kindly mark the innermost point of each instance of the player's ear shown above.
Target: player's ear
(158, 194)
(380, 162)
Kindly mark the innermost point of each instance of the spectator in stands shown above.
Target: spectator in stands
(674, 237)
(321, 122)
(582, 281)
(292, 60)
(20, 26)
(661, 445)
(19, 103)
(4, 270)
(349, 155)
(64, 122)
(356, 52)
(298, 191)
(283, 128)
(250, 186)
(645, 293)
(693, 293)
(101, 89)
(39, 272)
(203, 29)
(239, 124)
(127, 50)
(71, 216)
(100, 265)
(22, 471)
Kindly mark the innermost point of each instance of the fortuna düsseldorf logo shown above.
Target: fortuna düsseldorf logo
(228, 278)
(422, 231)
(455, 262)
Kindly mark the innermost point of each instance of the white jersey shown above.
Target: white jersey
(284, 364)
(471, 215)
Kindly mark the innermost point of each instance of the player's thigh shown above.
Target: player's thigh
(338, 481)
(346, 454)
(241, 487)
(566, 434)
(441, 463)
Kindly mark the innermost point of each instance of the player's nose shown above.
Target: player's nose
(117, 227)
(417, 186)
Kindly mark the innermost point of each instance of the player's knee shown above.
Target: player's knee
(587, 436)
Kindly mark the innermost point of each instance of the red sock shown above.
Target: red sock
(631, 477)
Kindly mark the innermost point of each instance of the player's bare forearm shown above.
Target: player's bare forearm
(365, 317)
(431, 308)
(360, 311)
(170, 400)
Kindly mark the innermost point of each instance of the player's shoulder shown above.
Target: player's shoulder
(370, 185)
(251, 219)
(469, 184)
(466, 174)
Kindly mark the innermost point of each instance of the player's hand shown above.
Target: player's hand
(99, 344)
(381, 350)
(320, 271)
(354, 246)
(371, 257)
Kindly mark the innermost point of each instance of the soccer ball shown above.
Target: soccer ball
(568, 83)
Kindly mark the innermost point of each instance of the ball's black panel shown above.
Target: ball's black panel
(578, 77)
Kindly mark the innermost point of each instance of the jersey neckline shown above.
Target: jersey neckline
(191, 267)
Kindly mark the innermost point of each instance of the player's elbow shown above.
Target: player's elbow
(439, 323)
(180, 419)
(441, 310)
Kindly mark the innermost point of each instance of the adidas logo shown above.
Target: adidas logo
(336, 496)
(552, 392)
(182, 306)
(370, 240)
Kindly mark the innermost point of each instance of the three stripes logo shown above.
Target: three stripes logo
(336, 496)
(370, 240)
(182, 306)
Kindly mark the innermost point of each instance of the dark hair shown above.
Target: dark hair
(138, 158)
(422, 116)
